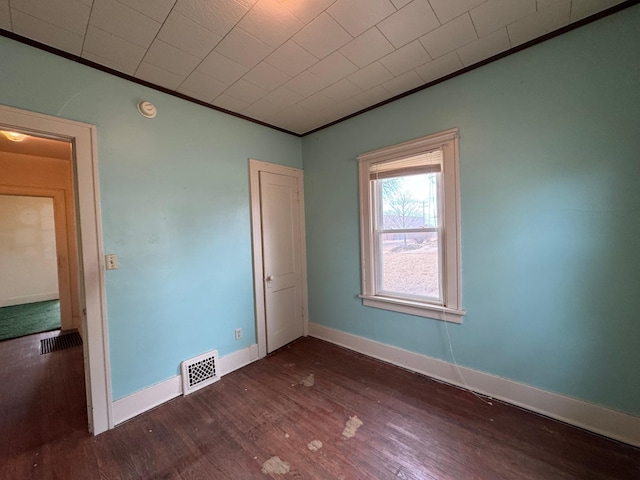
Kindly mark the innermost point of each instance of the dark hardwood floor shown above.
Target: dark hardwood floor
(374, 421)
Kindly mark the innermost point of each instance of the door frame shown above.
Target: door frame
(255, 167)
(92, 283)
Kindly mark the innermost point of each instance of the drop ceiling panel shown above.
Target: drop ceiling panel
(124, 22)
(295, 64)
(439, 67)
(291, 58)
(207, 88)
(495, 14)
(322, 36)
(154, 9)
(187, 35)
(357, 16)
(70, 15)
(158, 76)
(114, 51)
(243, 48)
(222, 68)
(406, 58)
(169, 58)
(448, 37)
(409, 23)
(48, 33)
(270, 22)
(367, 48)
(540, 23)
(485, 47)
(5, 20)
(370, 76)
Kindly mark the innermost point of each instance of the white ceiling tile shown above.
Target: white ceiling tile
(542, 22)
(447, 10)
(114, 51)
(306, 84)
(124, 22)
(243, 48)
(207, 88)
(316, 102)
(322, 36)
(448, 37)
(188, 36)
(195, 95)
(542, 4)
(403, 83)
(5, 15)
(170, 58)
(230, 103)
(333, 68)
(158, 76)
(245, 91)
(409, 23)
(291, 58)
(583, 8)
(372, 96)
(217, 16)
(46, 33)
(347, 107)
(263, 109)
(295, 119)
(494, 14)
(357, 16)
(440, 67)
(406, 58)
(399, 3)
(284, 96)
(307, 10)
(341, 91)
(155, 9)
(270, 22)
(221, 68)
(70, 15)
(370, 76)
(367, 48)
(265, 76)
(485, 47)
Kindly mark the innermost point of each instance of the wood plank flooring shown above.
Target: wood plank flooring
(411, 427)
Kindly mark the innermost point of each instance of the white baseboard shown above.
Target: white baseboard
(595, 418)
(144, 400)
(36, 297)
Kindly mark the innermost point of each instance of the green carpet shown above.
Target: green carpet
(20, 320)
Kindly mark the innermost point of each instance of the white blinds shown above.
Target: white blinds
(429, 162)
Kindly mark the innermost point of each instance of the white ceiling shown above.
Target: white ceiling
(294, 64)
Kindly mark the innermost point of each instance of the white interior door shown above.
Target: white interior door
(282, 255)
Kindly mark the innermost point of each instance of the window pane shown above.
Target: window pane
(410, 264)
(409, 201)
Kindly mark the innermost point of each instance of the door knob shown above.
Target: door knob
(269, 278)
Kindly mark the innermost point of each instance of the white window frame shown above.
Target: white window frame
(450, 309)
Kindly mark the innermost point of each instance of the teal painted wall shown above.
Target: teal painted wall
(175, 208)
(550, 198)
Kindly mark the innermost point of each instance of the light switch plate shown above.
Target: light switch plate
(111, 261)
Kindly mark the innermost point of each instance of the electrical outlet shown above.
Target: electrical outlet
(238, 333)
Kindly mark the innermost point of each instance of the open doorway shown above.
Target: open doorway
(29, 295)
(70, 182)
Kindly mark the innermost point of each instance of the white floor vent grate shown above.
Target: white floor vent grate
(199, 372)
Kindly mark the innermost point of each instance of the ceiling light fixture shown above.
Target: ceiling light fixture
(14, 136)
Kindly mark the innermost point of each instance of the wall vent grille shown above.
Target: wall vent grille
(200, 371)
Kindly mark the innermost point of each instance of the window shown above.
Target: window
(410, 227)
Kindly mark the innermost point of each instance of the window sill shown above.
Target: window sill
(413, 308)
